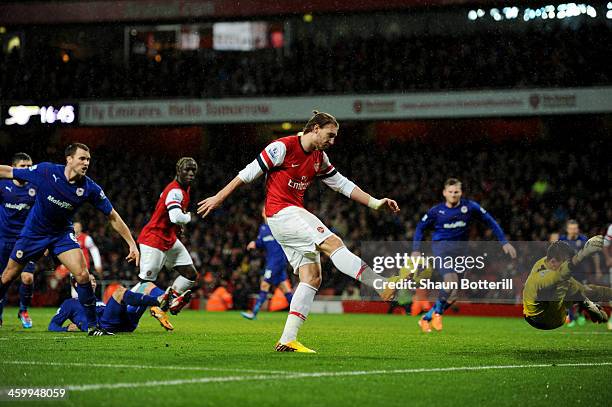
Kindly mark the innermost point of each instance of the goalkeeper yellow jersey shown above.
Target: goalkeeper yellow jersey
(545, 290)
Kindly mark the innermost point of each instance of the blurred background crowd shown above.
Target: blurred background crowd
(531, 174)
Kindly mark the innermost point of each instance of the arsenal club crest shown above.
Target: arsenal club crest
(317, 166)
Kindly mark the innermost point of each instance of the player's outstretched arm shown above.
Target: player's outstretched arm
(364, 198)
(592, 246)
(509, 250)
(6, 171)
(119, 225)
(211, 203)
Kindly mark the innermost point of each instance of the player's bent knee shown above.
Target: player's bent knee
(27, 278)
(331, 244)
(148, 288)
(189, 272)
(81, 276)
(312, 280)
(119, 293)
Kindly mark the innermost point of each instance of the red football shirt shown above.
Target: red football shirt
(290, 171)
(160, 232)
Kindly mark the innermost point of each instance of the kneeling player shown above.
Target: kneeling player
(121, 314)
(550, 288)
(275, 273)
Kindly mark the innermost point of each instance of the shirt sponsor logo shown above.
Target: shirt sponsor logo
(80, 191)
(454, 225)
(61, 204)
(17, 207)
(300, 186)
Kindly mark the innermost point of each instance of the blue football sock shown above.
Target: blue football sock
(87, 299)
(289, 297)
(156, 292)
(429, 315)
(439, 306)
(132, 298)
(25, 296)
(263, 296)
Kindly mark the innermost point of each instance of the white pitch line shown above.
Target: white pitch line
(90, 387)
(119, 366)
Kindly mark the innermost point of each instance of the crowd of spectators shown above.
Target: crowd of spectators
(538, 57)
(530, 188)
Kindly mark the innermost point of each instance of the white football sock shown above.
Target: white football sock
(181, 284)
(354, 267)
(303, 298)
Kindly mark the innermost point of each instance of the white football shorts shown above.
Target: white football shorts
(298, 232)
(152, 260)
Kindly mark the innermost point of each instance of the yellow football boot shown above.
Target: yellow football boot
(162, 317)
(292, 346)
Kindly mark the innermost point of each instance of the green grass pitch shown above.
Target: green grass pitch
(220, 359)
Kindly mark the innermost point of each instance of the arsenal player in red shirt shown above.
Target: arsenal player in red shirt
(159, 245)
(291, 164)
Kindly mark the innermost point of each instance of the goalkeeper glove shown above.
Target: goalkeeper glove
(592, 246)
(595, 311)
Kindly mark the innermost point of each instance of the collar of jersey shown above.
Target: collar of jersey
(302, 147)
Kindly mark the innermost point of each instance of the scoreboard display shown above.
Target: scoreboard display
(32, 115)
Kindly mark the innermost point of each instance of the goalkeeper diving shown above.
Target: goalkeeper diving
(550, 287)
